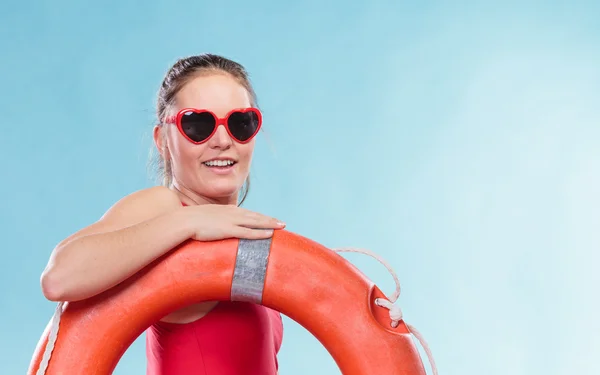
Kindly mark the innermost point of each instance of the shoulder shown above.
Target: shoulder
(160, 194)
(156, 196)
(144, 204)
(133, 209)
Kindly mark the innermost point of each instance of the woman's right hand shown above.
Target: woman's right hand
(211, 222)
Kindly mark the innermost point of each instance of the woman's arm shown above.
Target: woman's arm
(135, 231)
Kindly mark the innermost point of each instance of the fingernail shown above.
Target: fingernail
(279, 223)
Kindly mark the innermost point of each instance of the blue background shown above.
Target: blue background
(459, 140)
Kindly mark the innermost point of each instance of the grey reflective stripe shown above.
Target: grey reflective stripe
(250, 270)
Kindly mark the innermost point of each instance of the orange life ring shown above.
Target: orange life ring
(300, 278)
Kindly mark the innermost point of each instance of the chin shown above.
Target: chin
(223, 191)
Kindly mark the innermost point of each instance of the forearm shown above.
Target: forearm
(93, 263)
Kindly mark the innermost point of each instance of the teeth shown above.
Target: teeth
(218, 163)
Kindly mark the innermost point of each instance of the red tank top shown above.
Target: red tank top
(234, 338)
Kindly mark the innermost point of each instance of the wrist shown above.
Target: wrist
(182, 223)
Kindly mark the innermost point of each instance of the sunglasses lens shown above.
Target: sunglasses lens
(243, 125)
(198, 126)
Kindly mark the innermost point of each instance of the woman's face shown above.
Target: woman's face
(193, 165)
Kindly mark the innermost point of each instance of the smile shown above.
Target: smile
(219, 163)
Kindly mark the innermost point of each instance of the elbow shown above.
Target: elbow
(61, 280)
(52, 288)
(54, 278)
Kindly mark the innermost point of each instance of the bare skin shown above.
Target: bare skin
(149, 223)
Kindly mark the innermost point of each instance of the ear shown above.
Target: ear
(160, 141)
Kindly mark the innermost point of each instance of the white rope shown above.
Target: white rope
(51, 339)
(395, 312)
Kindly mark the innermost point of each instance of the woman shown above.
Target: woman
(207, 122)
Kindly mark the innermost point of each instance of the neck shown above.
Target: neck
(189, 197)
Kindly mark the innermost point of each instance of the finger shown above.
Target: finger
(252, 219)
(247, 214)
(263, 222)
(251, 234)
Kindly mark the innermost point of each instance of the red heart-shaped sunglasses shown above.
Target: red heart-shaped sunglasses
(198, 125)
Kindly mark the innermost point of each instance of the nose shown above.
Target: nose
(221, 138)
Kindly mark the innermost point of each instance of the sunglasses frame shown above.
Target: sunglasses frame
(176, 120)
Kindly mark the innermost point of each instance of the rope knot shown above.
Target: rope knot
(395, 311)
